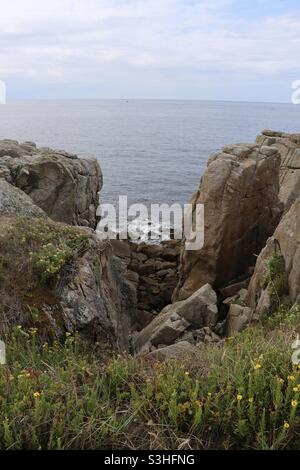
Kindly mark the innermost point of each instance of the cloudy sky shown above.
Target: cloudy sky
(186, 49)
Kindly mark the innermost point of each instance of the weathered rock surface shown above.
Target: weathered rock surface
(98, 300)
(180, 350)
(89, 294)
(288, 146)
(15, 201)
(154, 271)
(240, 192)
(199, 336)
(284, 243)
(198, 311)
(62, 185)
(110, 291)
(238, 317)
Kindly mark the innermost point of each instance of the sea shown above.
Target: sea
(152, 151)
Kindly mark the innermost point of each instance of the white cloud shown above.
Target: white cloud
(66, 41)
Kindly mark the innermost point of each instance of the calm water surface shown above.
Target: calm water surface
(152, 151)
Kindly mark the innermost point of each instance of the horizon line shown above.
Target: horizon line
(150, 99)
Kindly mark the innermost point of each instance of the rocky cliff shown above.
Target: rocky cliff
(64, 186)
(239, 191)
(53, 276)
(250, 193)
(277, 272)
(288, 146)
(66, 279)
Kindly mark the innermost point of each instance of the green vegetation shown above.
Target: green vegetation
(35, 254)
(285, 315)
(238, 301)
(37, 246)
(242, 394)
(276, 280)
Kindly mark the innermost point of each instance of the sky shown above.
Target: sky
(241, 50)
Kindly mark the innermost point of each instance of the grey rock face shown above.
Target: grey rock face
(239, 191)
(98, 300)
(62, 185)
(14, 201)
(285, 242)
(288, 146)
(95, 297)
(89, 294)
(180, 350)
(153, 269)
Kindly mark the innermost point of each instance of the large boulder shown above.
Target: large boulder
(15, 201)
(288, 146)
(277, 271)
(198, 311)
(239, 191)
(178, 351)
(62, 185)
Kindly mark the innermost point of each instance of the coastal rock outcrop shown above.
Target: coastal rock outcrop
(288, 146)
(239, 191)
(62, 185)
(277, 271)
(121, 292)
(64, 279)
(98, 300)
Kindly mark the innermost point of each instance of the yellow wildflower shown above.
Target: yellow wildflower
(294, 403)
(251, 400)
(257, 366)
(295, 389)
(291, 378)
(36, 394)
(286, 425)
(280, 380)
(239, 397)
(187, 373)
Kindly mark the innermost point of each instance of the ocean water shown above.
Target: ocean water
(151, 151)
